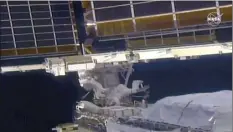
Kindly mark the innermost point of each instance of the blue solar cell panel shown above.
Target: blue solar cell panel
(43, 29)
(44, 42)
(99, 4)
(23, 30)
(19, 8)
(5, 31)
(192, 5)
(20, 23)
(32, 24)
(25, 44)
(7, 38)
(222, 3)
(224, 35)
(17, 2)
(16, 15)
(4, 16)
(65, 41)
(42, 22)
(110, 13)
(44, 36)
(152, 8)
(60, 7)
(61, 28)
(7, 45)
(25, 37)
(37, 8)
(59, 21)
(5, 23)
(36, 15)
(38, 2)
(64, 34)
(61, 14)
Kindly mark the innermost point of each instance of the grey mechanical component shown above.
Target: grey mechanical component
(68, 127)
(132, 57)
(157, 126)
(55, 66)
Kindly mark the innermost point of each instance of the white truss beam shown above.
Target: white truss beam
(59, 66)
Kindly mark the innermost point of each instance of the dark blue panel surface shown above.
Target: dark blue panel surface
(3, 9)
(7, 45)
(45, 42)
(65, 41)
(44, 36)
(23, 30)
(6, 38)
(224, 35)
(59, 2)
(186, 34)
(37, 8)
(192, 5)
(44, 29)
(61, 14)
(5, 23)
(152, 8)
(64, 35)
(61, 28)
(25, 37)
(25, 44)
(4, 16)
(58, 21)
(42, 22)
(19, 23)
(109, 46)
(5, 31)
(38, 2)
(19, 9)
(98, 4)
(60, 7)
(204, 32)
(18, 2)
(110, 13)
(40, 15)
(25, 15)
(170, 35)
(222, 3)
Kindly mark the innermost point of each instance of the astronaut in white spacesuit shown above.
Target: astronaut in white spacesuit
(113, 95)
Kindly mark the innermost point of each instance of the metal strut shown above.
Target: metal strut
(129, 72)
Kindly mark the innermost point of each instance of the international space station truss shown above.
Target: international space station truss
(102, 72)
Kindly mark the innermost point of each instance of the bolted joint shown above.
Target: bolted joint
(55, 66)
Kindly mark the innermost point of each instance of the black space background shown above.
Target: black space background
(37, 101)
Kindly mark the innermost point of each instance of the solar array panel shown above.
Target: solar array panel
(36, 25)
(153, 24)
(113, 10)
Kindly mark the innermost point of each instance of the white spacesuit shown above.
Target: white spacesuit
(113, 95)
